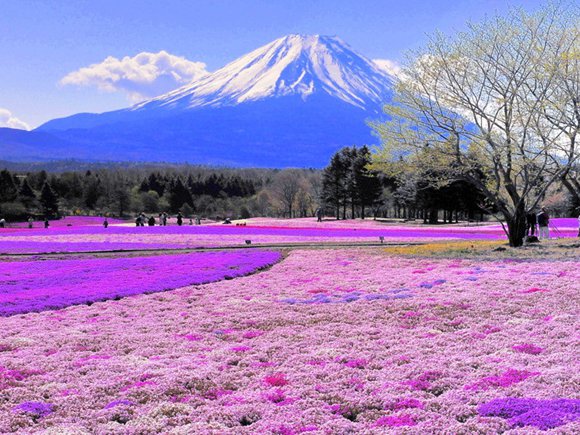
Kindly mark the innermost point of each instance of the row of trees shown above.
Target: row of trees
(214, 193)
(348, 183)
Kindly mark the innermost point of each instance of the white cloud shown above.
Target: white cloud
(7, 119)
(143, 76)
(389, 66)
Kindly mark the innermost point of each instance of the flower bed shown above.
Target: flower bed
(27, 286)
(305, 347)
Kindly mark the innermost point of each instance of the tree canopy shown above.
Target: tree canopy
(496, 106)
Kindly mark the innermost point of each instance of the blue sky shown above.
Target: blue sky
(42, 42)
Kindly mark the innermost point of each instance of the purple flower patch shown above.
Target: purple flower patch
(29, 286)
(543, 414)
(35, 409)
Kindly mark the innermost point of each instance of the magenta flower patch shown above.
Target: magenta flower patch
(395, 421)
(506, 379)
(528, 348)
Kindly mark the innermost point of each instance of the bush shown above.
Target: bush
(13, 211)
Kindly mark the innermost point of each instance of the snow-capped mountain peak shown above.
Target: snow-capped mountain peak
(300, 65)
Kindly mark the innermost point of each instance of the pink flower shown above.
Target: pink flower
(509, 377)
(356, 363)
(535, 290)
(276, 380)
(528, 348)
(395, 421)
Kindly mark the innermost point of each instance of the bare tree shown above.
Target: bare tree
(488, 107)
(286, 186)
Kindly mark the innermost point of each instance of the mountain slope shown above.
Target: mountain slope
(293, 65)
(292, 102)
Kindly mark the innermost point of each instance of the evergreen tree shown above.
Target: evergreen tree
(368, 184)
(333, 182)
(8, 187)
(48, 200)
(178, 195)
(26, 195)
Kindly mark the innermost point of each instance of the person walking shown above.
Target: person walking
(46, 224)
(319, 214)
(544, 224)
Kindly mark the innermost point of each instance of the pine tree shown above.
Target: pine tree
(368, 184)
(178, 195)
(48, 200)
(8, 187)
(26, 195)
(334, 182)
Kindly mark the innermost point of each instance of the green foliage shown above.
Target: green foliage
(348, 181)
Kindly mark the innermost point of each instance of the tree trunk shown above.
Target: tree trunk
(517, 227)
(433, 216)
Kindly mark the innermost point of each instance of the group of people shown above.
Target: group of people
(142, 219)
(30, 223)
(542, 222)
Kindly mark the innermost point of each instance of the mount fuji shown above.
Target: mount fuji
(292, 102)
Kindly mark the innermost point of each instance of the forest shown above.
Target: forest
(347, 188)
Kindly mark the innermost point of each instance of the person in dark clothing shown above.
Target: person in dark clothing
(106, 223)
(531, 222)
(46, 224)
(151, 221)
(2, 223)
(319, 215)
(179, 219)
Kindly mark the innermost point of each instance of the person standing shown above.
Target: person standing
(2, 223)
(544, 224)
(30, 221)
(531, 221)
(106, 223)
(46, 224)
(179, 219)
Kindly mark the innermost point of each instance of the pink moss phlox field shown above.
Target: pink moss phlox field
(41, 285)
(230, 357)
(97, 238)
(86, 234)
(68, 222)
